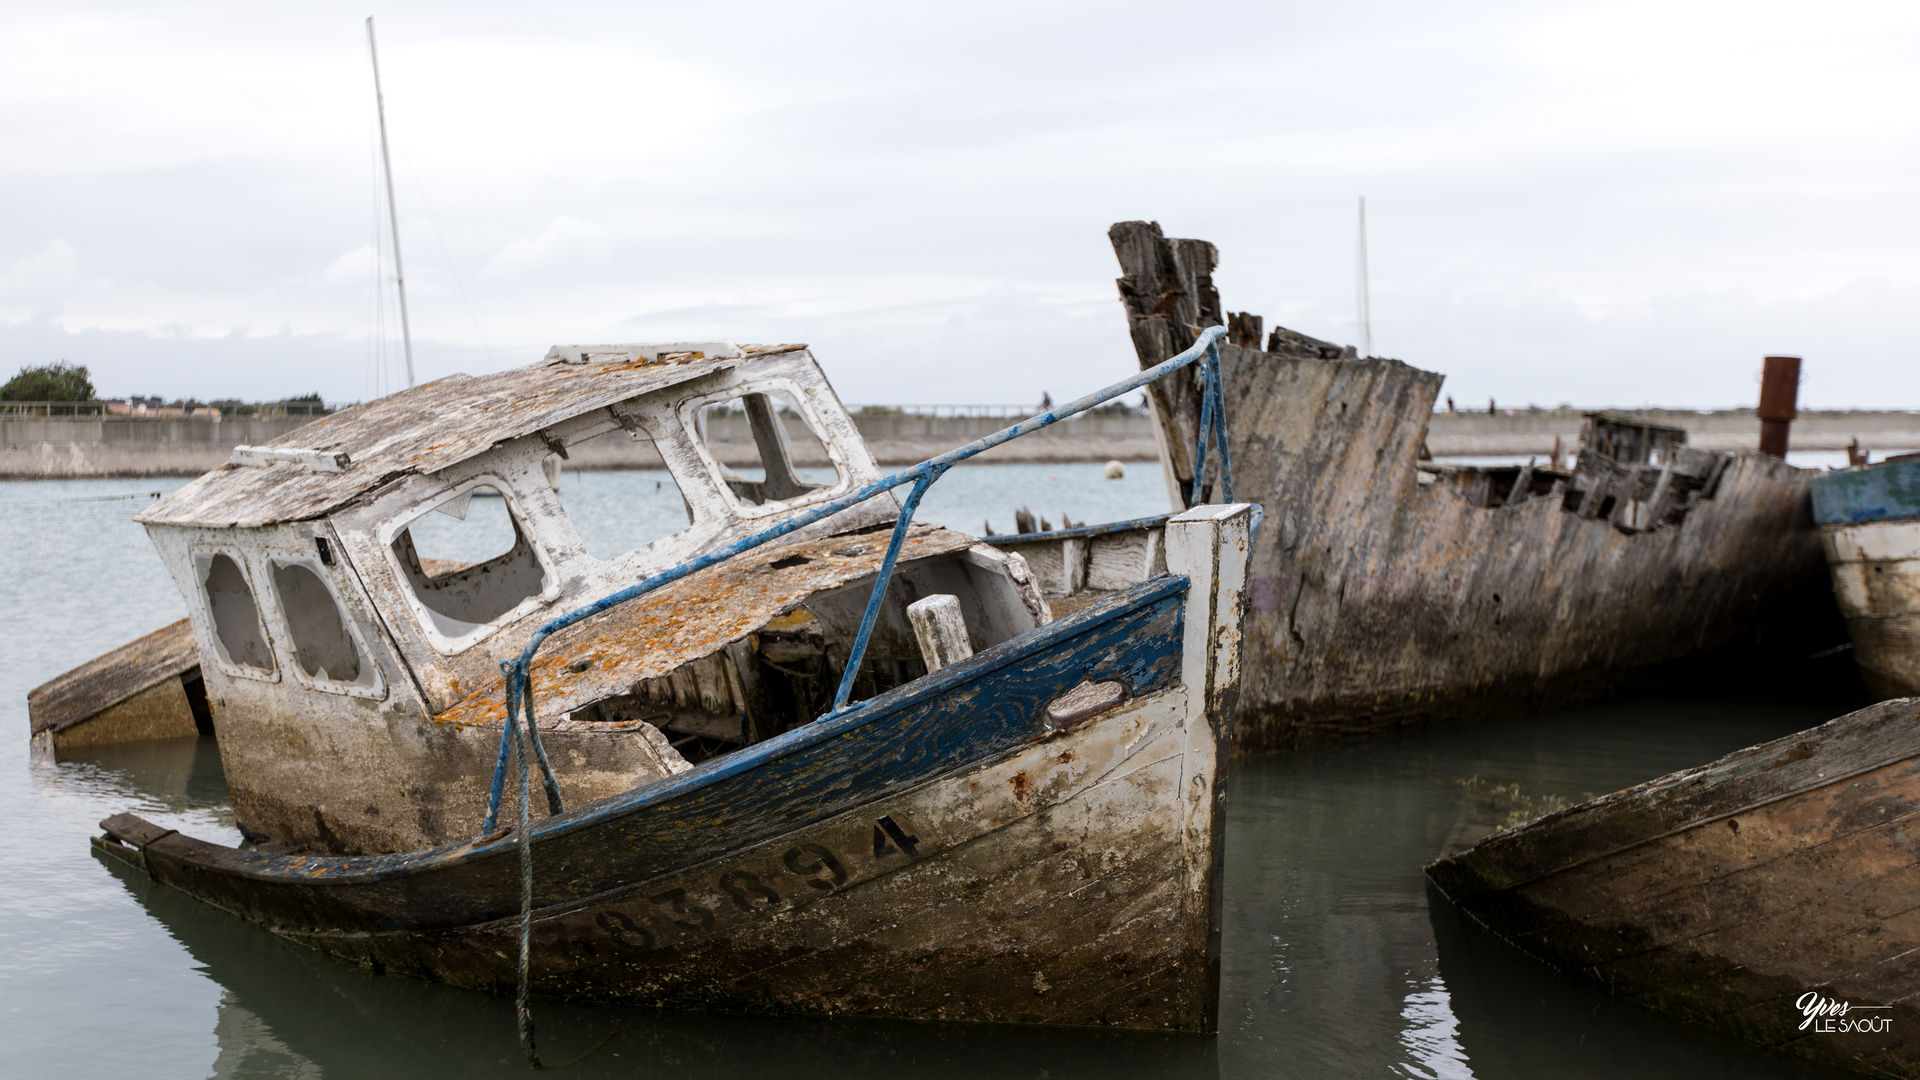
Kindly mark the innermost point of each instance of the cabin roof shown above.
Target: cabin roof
(430, 427)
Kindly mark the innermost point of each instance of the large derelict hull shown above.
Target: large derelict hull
(1758, 894)
(1870, 520)
(1029, 835)
(1386, 590)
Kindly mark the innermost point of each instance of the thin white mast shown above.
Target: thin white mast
(393, 213)
(1366, 314)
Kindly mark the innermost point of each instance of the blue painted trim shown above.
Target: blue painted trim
(1889, 491)
(1083, 530)
(879, 594)
(518, 672)
(1053, 639)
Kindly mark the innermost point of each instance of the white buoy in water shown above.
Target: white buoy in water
(1116, 471)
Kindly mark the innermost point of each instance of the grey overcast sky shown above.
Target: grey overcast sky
(1607, 203)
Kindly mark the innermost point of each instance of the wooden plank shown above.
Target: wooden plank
(114, 677)
(161, 711)
(1722, 894)
(1856, 743)
(940, 630)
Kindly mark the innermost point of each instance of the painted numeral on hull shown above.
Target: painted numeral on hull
(808, 860)
(744, 886)
(624, 931)
(677, 900)
(888, 833)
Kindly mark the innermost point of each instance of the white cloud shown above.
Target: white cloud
(1599, 201)
(44, 274)
(356, 267)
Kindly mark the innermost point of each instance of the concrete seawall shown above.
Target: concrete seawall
(138, 447)
(38, 449)
(1523, 433)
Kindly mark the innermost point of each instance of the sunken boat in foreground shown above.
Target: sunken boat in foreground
(1773, 894)
(1870, 521)
(1019, 821)
(1389, 590)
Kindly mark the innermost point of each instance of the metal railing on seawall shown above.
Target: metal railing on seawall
(55, 408)
(211, 413)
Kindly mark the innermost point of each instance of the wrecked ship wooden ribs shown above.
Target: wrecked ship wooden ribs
(1389, 590)
(996, 815)
(1761, 894)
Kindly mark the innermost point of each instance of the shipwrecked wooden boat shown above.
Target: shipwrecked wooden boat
(1770, 894)
(1389, 590)
(1870, 522)
(947, 804)
(149, 688)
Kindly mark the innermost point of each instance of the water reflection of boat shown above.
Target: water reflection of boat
(1738, 894)
(168, 775)
(288, 1011)
(907, 790)
(1512, 1016)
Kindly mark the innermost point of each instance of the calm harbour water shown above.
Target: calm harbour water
(1334, 964)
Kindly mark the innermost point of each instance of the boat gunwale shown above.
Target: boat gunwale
(1493, 864)
(1080, 531)
(351, 870)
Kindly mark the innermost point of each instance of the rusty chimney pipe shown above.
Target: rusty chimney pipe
(1779, 392)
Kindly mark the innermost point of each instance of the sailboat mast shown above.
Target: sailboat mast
(393, 213)
(1366, 313)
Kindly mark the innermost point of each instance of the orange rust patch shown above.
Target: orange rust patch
(687, 620)
(1022, 787)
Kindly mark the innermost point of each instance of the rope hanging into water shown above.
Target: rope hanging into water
(516, 739)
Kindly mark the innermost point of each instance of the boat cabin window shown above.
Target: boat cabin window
(236, 618)
(469, 560)
(618, 512)
(321, 645)
(766, 447)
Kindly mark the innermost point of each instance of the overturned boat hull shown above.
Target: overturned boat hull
(1032, 834)
(1386, 593)
(1771, 894)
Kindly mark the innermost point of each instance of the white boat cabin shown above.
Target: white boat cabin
(351, 650)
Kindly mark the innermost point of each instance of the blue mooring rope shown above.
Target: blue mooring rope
(514, 738)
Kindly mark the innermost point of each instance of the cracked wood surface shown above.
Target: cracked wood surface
(420, 430)
(1378, 600)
